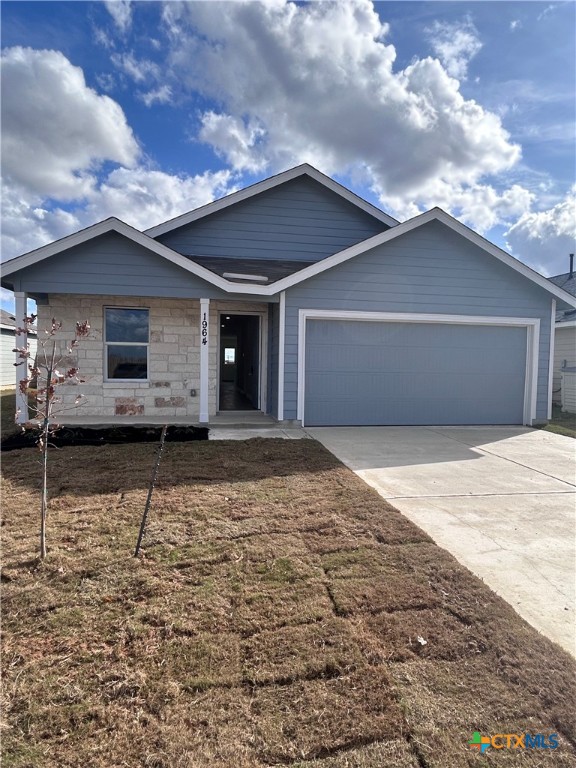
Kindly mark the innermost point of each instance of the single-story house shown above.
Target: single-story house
(8, 342)
(565, 335)
(297, 298)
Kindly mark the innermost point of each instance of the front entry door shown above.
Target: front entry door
(239, 362)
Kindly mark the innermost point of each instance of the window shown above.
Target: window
(127, 337)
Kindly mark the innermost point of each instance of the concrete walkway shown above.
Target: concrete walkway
(502, 500)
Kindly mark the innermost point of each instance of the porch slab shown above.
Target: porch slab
(247, 432)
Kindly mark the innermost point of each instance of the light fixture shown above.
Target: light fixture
(238, 276)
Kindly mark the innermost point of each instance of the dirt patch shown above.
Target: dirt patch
(282, 614)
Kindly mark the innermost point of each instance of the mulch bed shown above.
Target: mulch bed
(71, 436)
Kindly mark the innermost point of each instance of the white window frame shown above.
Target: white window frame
(107, 343)
(532, 325)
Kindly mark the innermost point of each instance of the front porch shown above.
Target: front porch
(204, 362)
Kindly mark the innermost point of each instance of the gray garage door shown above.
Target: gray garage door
(368, 373)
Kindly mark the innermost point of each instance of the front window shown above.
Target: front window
(127, 339)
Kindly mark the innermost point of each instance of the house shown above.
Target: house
(8, 342)
(299, 299)
(565, 334)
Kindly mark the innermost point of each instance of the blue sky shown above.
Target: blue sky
(144, 110)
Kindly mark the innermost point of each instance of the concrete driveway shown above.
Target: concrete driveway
(502, 500)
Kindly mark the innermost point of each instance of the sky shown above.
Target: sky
(146, 110)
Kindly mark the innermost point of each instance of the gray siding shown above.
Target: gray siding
(112, 264)
(431, 270)
(367, 373)
(299, 220)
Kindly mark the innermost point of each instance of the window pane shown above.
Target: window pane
(127, 325)
(229, 355)
(127, 362)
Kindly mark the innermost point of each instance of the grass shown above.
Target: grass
(562, 423)
(277, 617)
(7, 412)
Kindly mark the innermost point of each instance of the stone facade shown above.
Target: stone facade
(174, 355)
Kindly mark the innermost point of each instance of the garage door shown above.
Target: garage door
(379, 373)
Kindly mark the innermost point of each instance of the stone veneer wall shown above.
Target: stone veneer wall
(174, 355)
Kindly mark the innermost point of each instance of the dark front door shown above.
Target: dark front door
(239, 362)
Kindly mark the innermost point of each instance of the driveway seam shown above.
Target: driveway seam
(504, 458)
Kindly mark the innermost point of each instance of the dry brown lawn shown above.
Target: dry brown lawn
(273, 620)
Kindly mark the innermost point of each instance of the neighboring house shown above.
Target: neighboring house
(9, 341)
(565, 336)
(298, 298)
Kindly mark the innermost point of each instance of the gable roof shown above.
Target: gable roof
(435, 214)
(234, 286)
(111, 224)
(262, 186)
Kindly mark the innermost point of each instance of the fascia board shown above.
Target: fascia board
(435, 214)
(504, 257)
(352, 251)
(116, 225)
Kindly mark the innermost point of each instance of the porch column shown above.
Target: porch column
(21, 370)
(204, 358)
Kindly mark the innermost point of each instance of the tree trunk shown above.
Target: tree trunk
(48, 405)
(44, 503)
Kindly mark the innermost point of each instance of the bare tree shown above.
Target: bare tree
(47, 373)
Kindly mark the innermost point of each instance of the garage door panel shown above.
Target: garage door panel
(413, 373)
(411, 360)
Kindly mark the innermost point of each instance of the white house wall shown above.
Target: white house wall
(564, 350)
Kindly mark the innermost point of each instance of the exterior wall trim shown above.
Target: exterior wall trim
(551, 357)
(281, 354)
(436, 214)
(204, 359)
(531, 324)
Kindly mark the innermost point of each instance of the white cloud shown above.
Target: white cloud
(317, 83)
(55, 130)
(543, 239)
(139, 196)
(455, 44)
(234, 140)
(121, 12)
(57, 134)
(481, 207)
(161, 95)
(140, 70)
(515, 24)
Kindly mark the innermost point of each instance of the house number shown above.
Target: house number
(204, 330)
